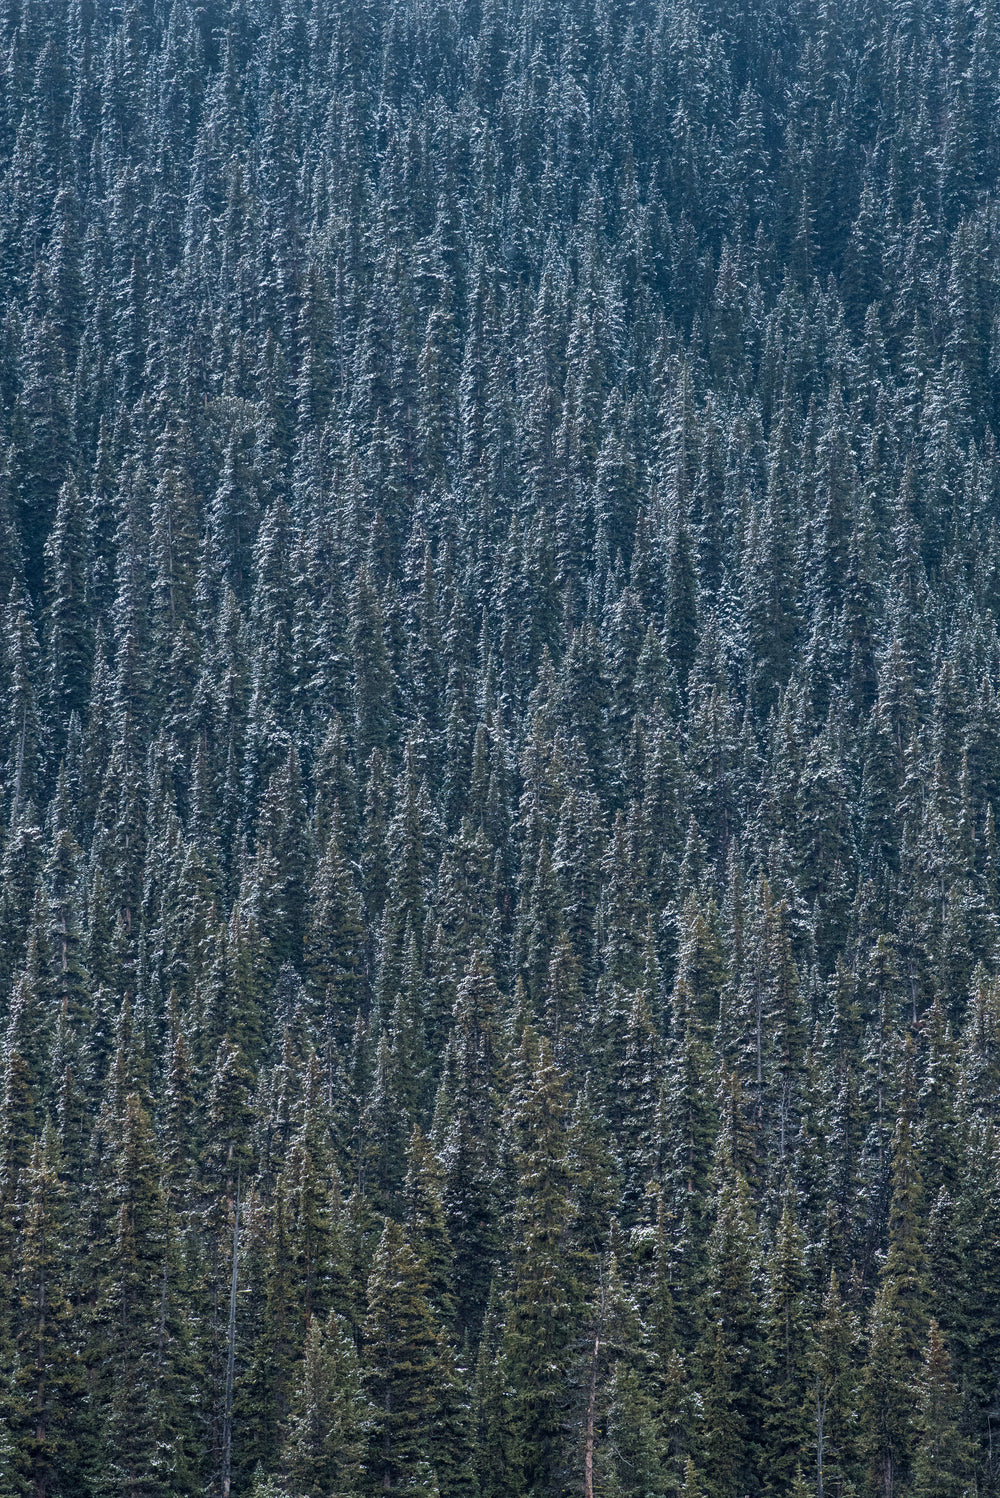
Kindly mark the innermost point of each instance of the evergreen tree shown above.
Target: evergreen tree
(942, 1462)
(327, 1426)
(402, 1349)
(499, 706)
(68, 626)
(468, 1127)
(786, 1434)
(542, 1308)
(731, 1350)
(833, 1376)
(45, 1402)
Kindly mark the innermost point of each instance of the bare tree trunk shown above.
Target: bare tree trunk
(588, 1450)
(820, 1423)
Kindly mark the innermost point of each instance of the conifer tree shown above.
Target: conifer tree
(324, 1445)
(468, 1131)
(499, 722)
(731, 1348)
(134, 1368)
(786, 1437)
(834, 1393)
(45, 1401)
(942, 1461)
(68, 626)
(402, 1348)
(544, 1302)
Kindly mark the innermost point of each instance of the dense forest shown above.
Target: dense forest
(500, 748)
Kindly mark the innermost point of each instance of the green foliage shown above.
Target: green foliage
(323, 1447)
(402, 1363)
(499, 722)
(942, 1463)
(542, 1308)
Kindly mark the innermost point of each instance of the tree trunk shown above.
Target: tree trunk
(588, 1450)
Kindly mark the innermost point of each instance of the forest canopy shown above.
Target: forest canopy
(499, 748)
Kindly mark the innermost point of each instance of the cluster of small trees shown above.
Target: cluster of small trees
(499, 748)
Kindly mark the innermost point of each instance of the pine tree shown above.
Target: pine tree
(634, 1451)
(45, 1402)
(133, 1369)
(786, 1436)
(327, 1426)
(942, 1462)
(332, 947)
(68, 626)
(468, 1132)
(499, 707)
(23, 1082)
(402, 1363)
(425, 1224)
(731, 1349)
(46, 451)
(834, 1393)
(896, 1331)
(543, 1306)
